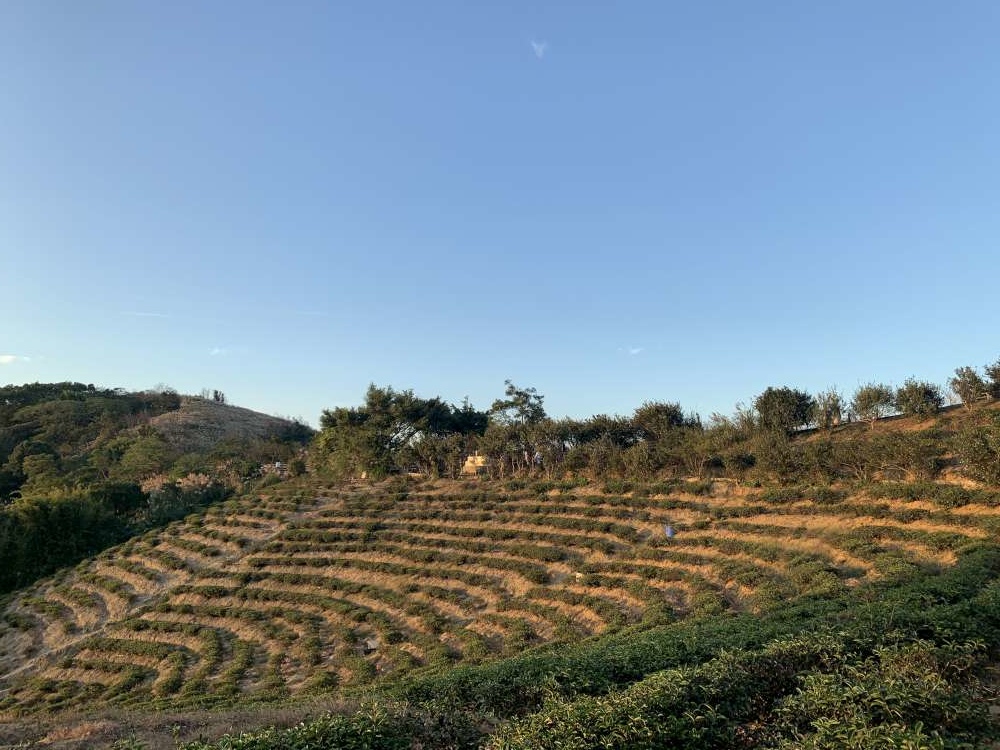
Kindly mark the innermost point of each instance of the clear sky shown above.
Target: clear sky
(609, 202)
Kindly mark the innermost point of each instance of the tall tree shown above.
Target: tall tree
(522, 406)
(873, 401)
(828, 409)
(978, 449)
(466, 420)
(370, 438)
(993, 373)
(783, 409)
(654, 420)
(968, 385)
(919, 398)
(616, 430)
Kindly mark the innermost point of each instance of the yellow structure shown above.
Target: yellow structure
(474, 465)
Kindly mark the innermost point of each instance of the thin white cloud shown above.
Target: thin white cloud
(9, 359)
(540, 48)
(138, 314)
(218, 351)
(633, 350)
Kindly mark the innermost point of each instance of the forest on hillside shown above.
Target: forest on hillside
(83, 468)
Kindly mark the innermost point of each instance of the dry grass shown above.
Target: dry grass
(163, 730)
(223, 548)
(199, 425)
(830, 523)
(230, 625)
(545, 629)
(79, 674)
(179, 640)
(111, 657)
(192, 558)
(246, 530)
(619, 597)
(139, 584)
(579, 614)
(810, 546)
(110, 605)
(84, 731)
(984, 511)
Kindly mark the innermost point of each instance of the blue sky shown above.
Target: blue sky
(609, 202)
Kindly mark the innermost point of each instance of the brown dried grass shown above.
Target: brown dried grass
(232, 625)
(90, 731)
(78, 674)
(139, 584)
(199, 424)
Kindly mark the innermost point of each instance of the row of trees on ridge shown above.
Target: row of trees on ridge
(397, 431)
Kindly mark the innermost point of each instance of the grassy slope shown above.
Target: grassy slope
(200, 424)
(273, 598)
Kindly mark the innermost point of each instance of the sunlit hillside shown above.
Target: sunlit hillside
(318, 590)
(201, 424)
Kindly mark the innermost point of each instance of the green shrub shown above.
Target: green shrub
(617, 487)
(978, 448)
(906, 695)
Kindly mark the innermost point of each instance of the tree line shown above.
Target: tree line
(397, 431)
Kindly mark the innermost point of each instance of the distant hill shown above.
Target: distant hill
(71, 435)
(83, 468)
(201, 424)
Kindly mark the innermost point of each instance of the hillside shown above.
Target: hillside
(84, 468)
(63, 435)
(201, 424)
(593, 597)
(311, 591)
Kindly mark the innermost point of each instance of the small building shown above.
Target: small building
(475, 465)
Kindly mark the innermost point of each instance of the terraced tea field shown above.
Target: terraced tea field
(316, 589)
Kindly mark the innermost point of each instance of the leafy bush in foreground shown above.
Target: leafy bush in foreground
(816, 691)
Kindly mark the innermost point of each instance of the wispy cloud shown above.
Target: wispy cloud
(9, 359)
(138, 314)
(631, 351)
(218, 351)
(540, 48)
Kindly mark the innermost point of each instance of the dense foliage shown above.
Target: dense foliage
(784, 409)
(788, 436)
(57, 434)
(393, 431)
(81, 469)
(919, 398)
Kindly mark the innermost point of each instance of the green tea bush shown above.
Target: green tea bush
(978, 449)
(904, 695)
(943, 495)
(693, 707)
(821, 494)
